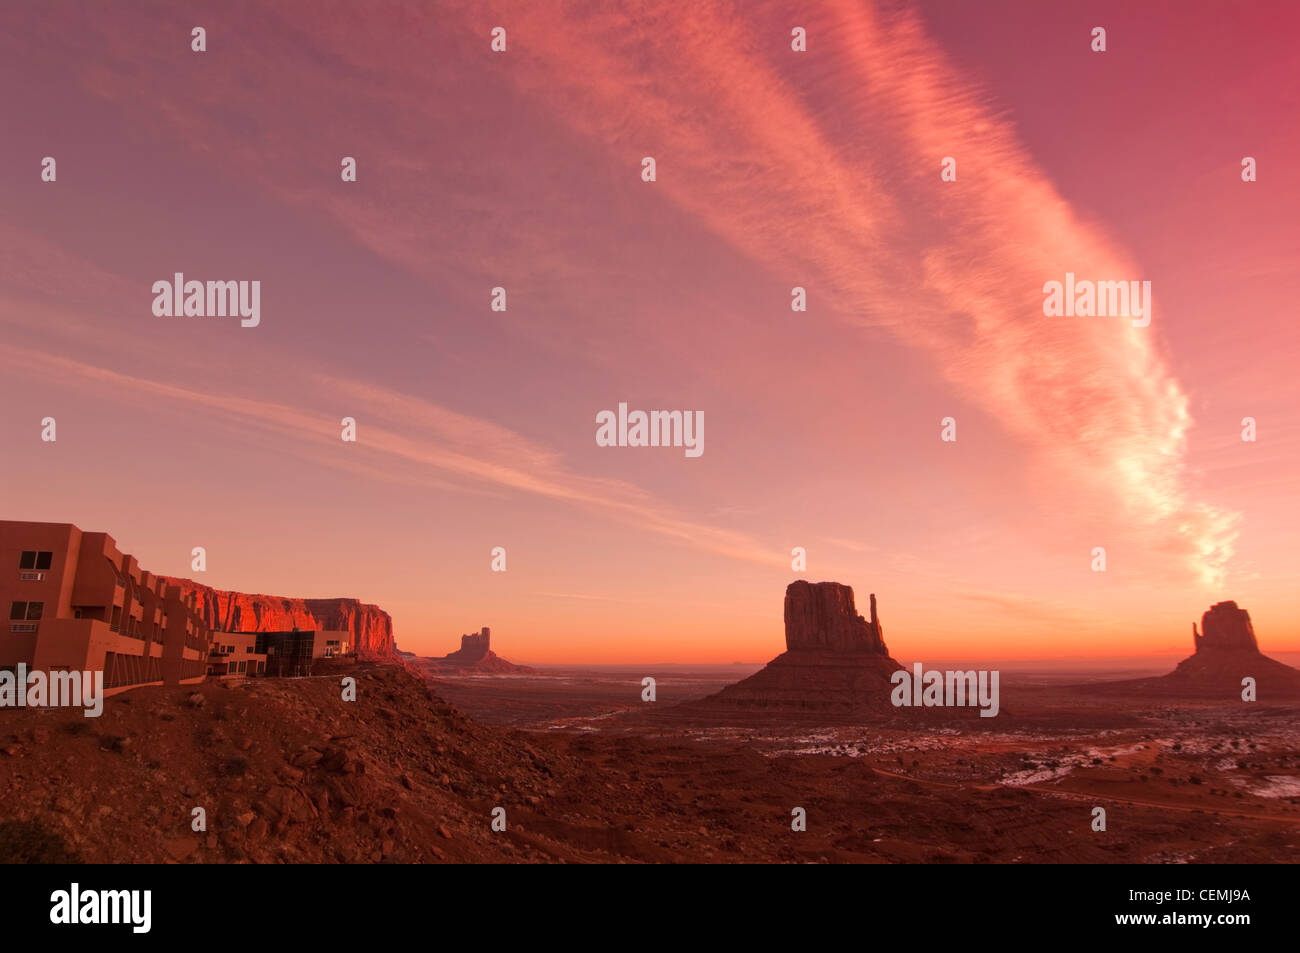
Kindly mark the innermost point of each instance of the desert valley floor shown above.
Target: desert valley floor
(411, 772)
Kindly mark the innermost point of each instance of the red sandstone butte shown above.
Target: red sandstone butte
(1225, 628)
(822, 616)
(1226, 652)
(834, 660)
(225, 611)
(474, 657)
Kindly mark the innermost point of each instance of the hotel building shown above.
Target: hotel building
(296, 653)
(235, 655)
(78, 603)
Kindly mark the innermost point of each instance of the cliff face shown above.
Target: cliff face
(1225, 628)
(822, 616)
(371, 626)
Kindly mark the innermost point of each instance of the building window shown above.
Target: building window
(243, 666)
(26, 611)
(261, 667)
(35, 559)
(230, 667)
(116, 622)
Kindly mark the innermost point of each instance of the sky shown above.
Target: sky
(522, 169)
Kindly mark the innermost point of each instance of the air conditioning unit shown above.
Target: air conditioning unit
(31, 576)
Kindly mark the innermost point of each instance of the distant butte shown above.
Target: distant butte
(834, 659)
(474, 657)
(1225, 652)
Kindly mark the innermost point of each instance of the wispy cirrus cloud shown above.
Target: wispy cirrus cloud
(851, 194)
(427, 443)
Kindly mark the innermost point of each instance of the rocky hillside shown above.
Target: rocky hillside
(284, 770)
(371, 626)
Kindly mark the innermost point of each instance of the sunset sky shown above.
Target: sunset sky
(774, 169)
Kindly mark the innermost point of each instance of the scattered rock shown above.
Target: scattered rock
(338, 760)
(178, 848)
(305, 758)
